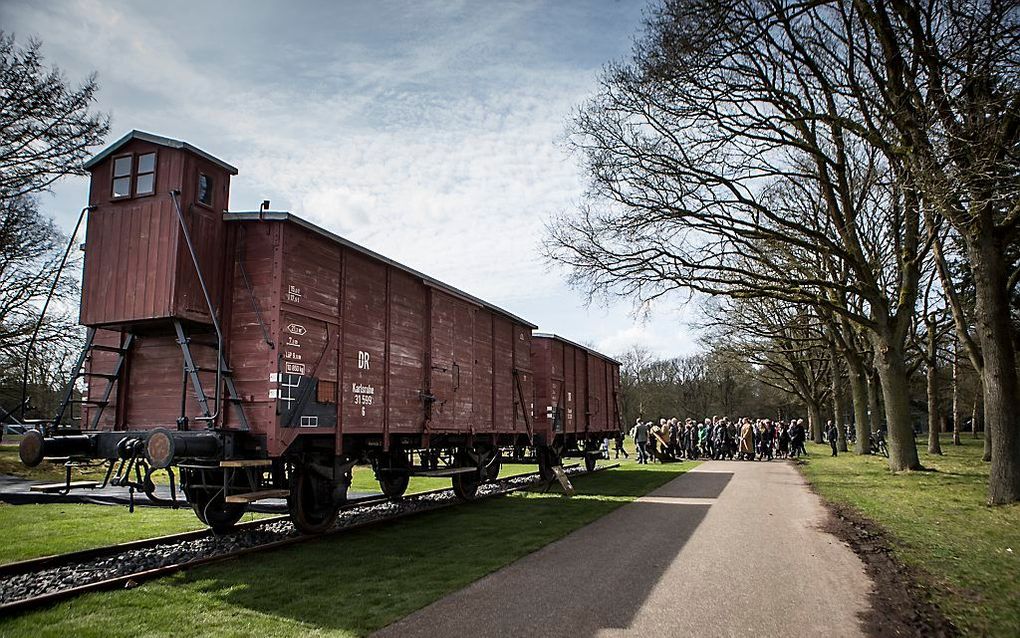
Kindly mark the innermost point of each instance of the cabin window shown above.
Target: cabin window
(205, 187)
(145, 180)
(134, 175)
(122, 176)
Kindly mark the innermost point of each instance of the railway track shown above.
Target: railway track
(43, 581)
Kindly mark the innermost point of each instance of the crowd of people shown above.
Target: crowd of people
(716, 438)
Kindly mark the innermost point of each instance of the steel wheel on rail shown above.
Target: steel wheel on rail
(392, 474)
(313, 510)
(492, 464)
(208, 502)
(465, 484)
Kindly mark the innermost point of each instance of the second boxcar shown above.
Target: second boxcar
(577, 398)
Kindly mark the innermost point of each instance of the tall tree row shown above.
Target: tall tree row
(828, 156)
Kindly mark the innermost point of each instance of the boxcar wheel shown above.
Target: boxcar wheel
(208, 503)
(465, 485)
(493, 465)
(220, 516)
(393, 484)
(312, 507)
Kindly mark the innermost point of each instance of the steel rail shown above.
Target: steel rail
(30, 565)
(130, 580)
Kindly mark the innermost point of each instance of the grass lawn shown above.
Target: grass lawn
(43, 530)
(30, 531)
(351, 584)
(938, 521)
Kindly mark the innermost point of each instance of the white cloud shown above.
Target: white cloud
(426, 132)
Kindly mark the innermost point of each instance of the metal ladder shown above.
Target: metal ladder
(80, 372)
(192, 370)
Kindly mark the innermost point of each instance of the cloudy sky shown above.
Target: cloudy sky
(431, 132)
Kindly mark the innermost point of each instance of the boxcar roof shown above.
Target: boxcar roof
(549, 335)
(284, 216)
(161, 141)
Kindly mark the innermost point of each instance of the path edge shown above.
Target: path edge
(899, 603)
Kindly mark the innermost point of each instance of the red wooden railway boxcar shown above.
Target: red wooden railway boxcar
(576, 396)
(264, 356)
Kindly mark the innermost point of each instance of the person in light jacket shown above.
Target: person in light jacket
(640, 434)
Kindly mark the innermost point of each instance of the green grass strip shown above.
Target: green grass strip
(351, 584)
(42, 530)
(938, 522)
(30, 531)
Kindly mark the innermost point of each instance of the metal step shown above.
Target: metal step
(446, 471)
(59, 487)
(251, 497)
(247, 463)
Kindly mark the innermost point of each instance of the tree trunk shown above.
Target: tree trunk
(815, 422)
(957, 413)
(874, 406)
(987, 456)
(934, 412)
(999, 375)
(892, 373)
(859, 392)
(838, 405)
(932, 378)
(974, 414)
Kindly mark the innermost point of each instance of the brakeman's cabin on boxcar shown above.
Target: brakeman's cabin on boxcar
(263, 356)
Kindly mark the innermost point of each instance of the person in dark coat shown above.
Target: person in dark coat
(831, 435)
(797, 436)
(783, 441)
(620, 436)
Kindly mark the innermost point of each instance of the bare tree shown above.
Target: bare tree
(783, 345)
(720, 163)
(48, 130)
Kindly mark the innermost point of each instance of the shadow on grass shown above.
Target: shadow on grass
(365, 580)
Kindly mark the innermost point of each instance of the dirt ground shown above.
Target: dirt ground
(898, 603)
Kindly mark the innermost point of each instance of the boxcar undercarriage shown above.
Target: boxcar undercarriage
(219, 484)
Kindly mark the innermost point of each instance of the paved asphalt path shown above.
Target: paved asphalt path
(728, 549)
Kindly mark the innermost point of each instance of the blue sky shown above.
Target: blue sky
(431, 132)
